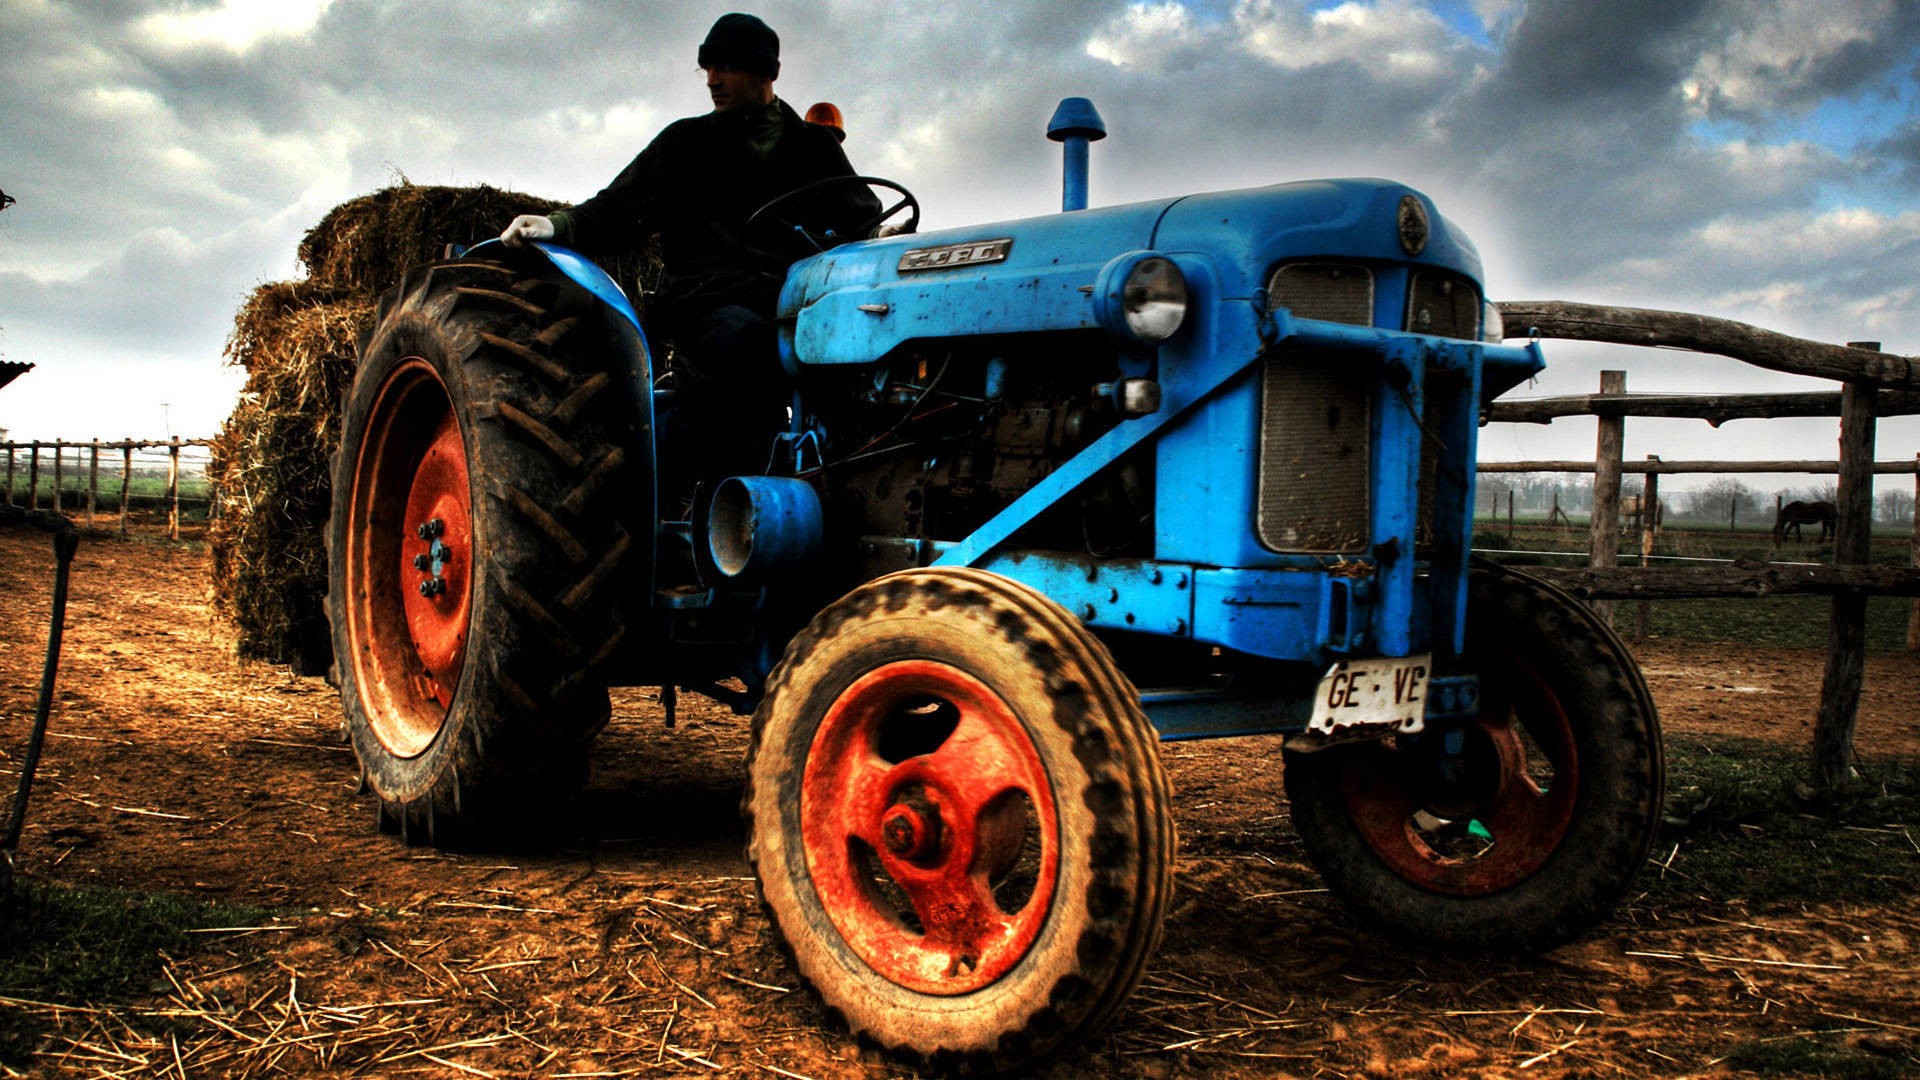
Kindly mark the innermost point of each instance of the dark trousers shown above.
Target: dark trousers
(731, 394)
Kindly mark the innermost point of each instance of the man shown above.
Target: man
(696, 185)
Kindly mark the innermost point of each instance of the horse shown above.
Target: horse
(1794, 514)
(1632, 510)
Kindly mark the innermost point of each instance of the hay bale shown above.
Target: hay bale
(298, 342)
(272, 463)
(366, 244)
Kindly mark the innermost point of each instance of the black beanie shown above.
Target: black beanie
(742, 42)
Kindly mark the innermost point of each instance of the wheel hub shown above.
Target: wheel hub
(436, 601)
(911, 829)
(1467, 769)
(1477, 809)
(930, 830)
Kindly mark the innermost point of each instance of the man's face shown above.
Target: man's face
(731, 88)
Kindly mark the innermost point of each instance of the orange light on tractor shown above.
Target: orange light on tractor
(827, 115)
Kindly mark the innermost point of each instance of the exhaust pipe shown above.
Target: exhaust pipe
(1075, 124)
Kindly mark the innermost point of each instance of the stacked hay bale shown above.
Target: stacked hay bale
(297, 341)
(271, 463)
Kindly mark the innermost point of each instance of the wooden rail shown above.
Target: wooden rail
(1828, 468)
(1740, 579)
(93, 448)
(1865, 373)
(1715, 409)
(1854, 362)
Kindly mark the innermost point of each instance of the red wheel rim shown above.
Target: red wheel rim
(409, 550)
(929, 827)
(1524, 778)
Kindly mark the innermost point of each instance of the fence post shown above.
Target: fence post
(93, 481)
(1604, 540)
(173, 489)
(1913, 608)
(33, 476)
(126, 483)
(1832, 765)
(59, 459)
(1649, 528)
(9, 474)
(1510, 540)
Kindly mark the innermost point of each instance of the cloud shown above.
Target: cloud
(1695, 154)
(1144, 36)
(1390, 40)
(1901, 153)
(235, 25)
(1793, 54)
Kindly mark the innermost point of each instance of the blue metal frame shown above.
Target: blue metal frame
(1289, 608)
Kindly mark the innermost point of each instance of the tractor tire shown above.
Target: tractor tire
(477, 554)
(1524, 827)
(959, 820)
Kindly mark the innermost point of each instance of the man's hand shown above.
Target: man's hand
(527, 227)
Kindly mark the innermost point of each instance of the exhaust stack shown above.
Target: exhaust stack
(1075, 124)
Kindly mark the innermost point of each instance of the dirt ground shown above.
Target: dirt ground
(633, 944)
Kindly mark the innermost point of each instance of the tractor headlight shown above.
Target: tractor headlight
(1142, 297)
(1493, 328)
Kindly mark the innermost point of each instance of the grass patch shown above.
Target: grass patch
(1780, 622)
(93, 947)
(1746, 830)
(1816, 1056)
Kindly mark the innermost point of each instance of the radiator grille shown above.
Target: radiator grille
(1314, 459)
(1331, 292)
(1445, 305)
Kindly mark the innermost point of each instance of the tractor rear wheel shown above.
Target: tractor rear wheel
(1521, 828)
(476, 550)
(958, 819)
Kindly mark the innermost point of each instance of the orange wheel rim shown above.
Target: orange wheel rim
(929, 828)
(409, 559)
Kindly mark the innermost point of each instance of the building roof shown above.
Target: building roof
(11, 370)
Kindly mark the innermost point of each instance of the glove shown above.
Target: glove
(527, 227)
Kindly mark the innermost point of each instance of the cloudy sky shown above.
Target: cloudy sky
(1754, 159)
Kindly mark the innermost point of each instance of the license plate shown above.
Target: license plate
(1388, 693)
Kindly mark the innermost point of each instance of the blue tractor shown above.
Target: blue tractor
(1051, 491)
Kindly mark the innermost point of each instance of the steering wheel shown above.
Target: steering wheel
(775, 211)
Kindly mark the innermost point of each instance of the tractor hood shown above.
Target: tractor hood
(858, 302)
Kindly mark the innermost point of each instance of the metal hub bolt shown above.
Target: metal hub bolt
(911, 829)
(430, 561)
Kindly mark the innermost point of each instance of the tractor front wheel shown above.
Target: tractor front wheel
(959, 820)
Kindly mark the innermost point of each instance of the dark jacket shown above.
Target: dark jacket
(698, 182)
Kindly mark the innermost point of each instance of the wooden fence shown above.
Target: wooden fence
(1873, 384)
(90, 452)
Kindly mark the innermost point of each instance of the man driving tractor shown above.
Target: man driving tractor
(698, 185)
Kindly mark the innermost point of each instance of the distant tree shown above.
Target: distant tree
(1827, 492)
(1894, 507)
(1725, 497)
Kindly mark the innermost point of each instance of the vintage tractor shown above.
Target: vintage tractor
(1051, 490)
